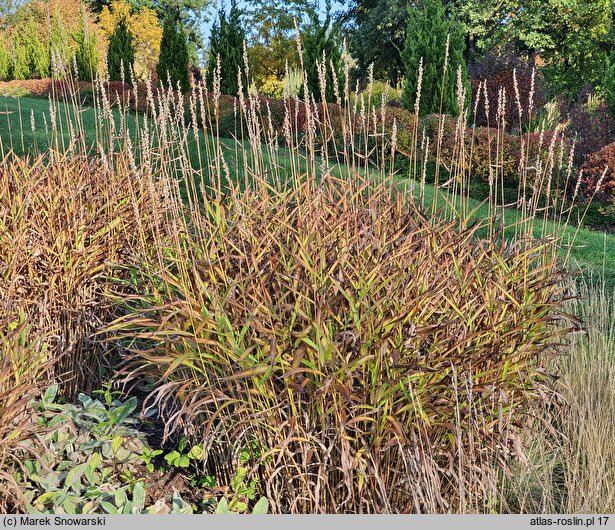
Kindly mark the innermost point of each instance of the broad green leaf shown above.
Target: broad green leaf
(73, 478)
(69, 507)
(46, 498)
(116, 443)
(179, 505)
(123, 411)
(237, 506)
(172, 457)
(120, 497)
(244, 455)
(196, 452)
(88, 507)
(222, 507)
(92, 491)
(261, 507)
(209, 481)
(138, 495)
(239, 477)
(50, 394)
(108, 507)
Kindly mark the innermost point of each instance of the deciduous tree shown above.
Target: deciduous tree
(570, 36)
(145, 29)
(271, 35)
(376, 30)
(189, 13)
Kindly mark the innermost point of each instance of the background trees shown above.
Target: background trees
(7, 8)
(86, 54)
(4, 59)
(569, 41)
(58, 46)
(376, 30)
(189, 13)
(19, 64)
(426, 36)
(569, 37)
(37, 29)
(173, 61)
(271, 35)
(322, 57)
(227, 41)
(608, 83)
(145, 29)
(121, 53)
(36, 54)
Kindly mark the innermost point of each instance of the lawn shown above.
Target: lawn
(593, 253)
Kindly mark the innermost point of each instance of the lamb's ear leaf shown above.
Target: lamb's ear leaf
(222, 507)
(50, 394)
(138, 495)
(261, 507)
(73, 478)
(108, 507)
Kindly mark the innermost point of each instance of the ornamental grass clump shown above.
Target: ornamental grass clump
(372, 357)
(23, 373)
(65, 223)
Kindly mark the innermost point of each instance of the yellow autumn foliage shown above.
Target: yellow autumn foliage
(146, 31)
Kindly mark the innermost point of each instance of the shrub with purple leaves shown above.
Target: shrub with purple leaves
(593, 126)
(499, 68)
(593, 170)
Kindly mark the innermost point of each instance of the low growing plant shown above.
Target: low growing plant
(86, 458)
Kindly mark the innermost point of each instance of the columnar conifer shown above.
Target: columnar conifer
(426, 37)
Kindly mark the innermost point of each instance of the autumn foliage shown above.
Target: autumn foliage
(145, 29)
(599, 168)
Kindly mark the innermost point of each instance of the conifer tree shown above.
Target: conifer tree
(174, 57)
(86, 54)
(227, 40)
(608, 83)
(37, 57)
(121, 52)
(5, 61)
(19, 64)
(426, 35)
(320, 40)
(58, 46)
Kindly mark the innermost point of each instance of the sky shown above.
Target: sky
(213, 10)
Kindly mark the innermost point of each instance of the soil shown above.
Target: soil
(161, 484)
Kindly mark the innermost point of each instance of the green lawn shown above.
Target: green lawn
(16, 130)
(592, 254)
